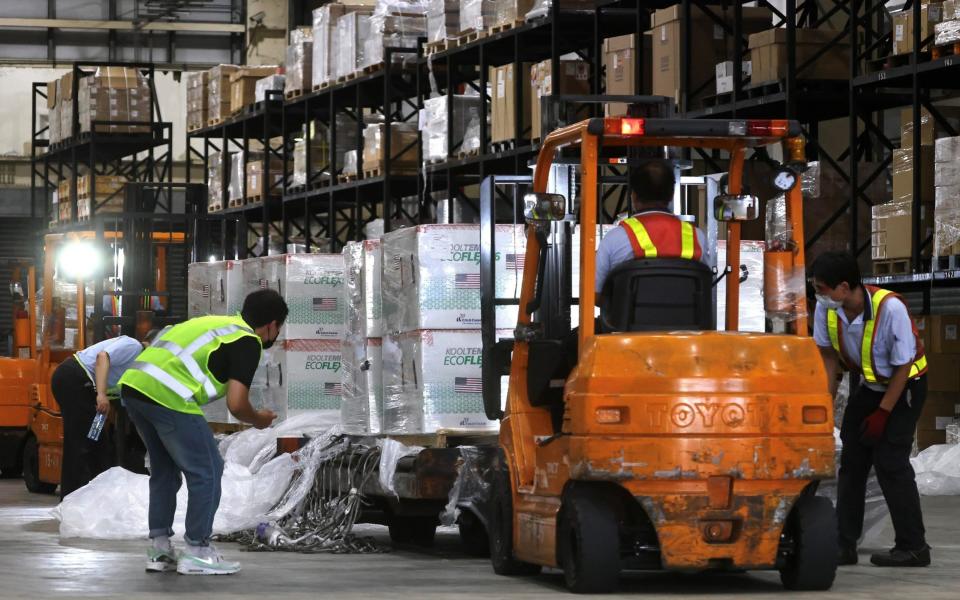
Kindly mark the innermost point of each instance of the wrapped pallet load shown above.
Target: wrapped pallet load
(197, 91)
(477, 15)
(465, 127)
(319, 155)
(299, 64)
(114, 94)
(402, 152)
(431, 319)
(947, 196)
(270, 83)
(353, 28)
(243, 85)
(326, 48)
(443, 20)
(394, 24)
(218, 85)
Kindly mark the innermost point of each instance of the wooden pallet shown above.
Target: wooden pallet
(346, 178)
(324, 85)
(371, 69)
(899, 266)
(503, 146)
(896, 60)
(292, 94)
(501, 27)
(945, 50)
(472, 36)
(258, 199)
(462, 155)
(213, 208)
(236, 202)
(196, 128)
(214, 122)
(446, 439)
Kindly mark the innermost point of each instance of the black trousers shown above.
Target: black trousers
(83, 458)
(890, 458)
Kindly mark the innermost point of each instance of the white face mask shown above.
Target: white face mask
(828, 302)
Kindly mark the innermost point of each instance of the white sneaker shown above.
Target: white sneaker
(161, 559)
(205, 560)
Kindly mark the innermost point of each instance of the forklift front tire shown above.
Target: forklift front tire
(501, 530)
(812, 564)
(589, 543)
(31, 469)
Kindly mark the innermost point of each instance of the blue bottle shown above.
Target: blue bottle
(97, 426)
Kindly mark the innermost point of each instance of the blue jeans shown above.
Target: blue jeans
(179, 443)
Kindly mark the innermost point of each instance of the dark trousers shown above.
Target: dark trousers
(83, 458)
(890, 458)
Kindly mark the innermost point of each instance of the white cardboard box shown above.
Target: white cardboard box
(312, 378)
(431, 382)
(431, 276)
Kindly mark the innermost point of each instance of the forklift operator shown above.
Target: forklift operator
(653, 231)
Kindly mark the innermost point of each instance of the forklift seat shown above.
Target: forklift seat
(661, 294)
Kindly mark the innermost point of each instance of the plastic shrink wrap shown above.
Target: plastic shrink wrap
(362, 402)
(272, 83)
(443, 19)
(465, 127)
(394, 24)
(299, 63)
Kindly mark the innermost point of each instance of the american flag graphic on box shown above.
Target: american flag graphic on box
(515, 262)
(467, 385)
(467, 281)
(324, 304)
(333, 389)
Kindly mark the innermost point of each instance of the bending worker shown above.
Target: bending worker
(189, 365)
(80, 387)
(653, 231)
(868, 331)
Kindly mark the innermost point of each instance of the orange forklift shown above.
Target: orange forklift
(646, 439)
(33, 440)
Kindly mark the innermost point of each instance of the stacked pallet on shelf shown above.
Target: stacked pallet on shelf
(298, 67)
(218, 85)
(270, 83)
(255, 180)
(64, 201)
(353, 28)
(102, 195)
(431, 321)
(465, 128)
(112, 99)
(768, 55)
(947, 197)
(394, 24)
(510, 13)
(930, 15)
(574, 78)
(319, 155)
(243, 85)
(503, 102)
(326, 47)
(215, 175)
(476, 17)
(197, 94)
(946, 37)
(402, 153)
(443, 23)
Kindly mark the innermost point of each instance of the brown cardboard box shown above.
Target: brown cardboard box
(503, 114)
(943, 372)
(891, 229)
(512, 11)
(903, 167)
(574, 79)
(243, 85)
(403, 147)
(620, 64)
(768, 53)
(218, 86)
(51, 93)
(945, 334)
(930, 15)
(939, 410)
(930, 128)
(65, 88)
(105, 190)
(709, 46)
(255, 181)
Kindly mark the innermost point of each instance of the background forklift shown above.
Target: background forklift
(648, 440)
(114, 274)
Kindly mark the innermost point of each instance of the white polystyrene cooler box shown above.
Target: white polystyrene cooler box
(362, 370)
(311, 376)
(372, 303)
(432, 382)
(431, 276)
(752, 315)
(316, 297)
(199, 290)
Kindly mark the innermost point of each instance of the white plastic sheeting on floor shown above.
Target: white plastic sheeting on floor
(114, 505)
(938, 470)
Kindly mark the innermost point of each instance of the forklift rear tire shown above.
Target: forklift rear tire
(31, 469)
(413, 530)
(813, 531)
(473, 535)
(501, 530)
(589, 543)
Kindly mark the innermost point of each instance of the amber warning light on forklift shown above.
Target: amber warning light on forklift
(635, 127)
(631, 127)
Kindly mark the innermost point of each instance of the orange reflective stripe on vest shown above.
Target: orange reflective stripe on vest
(835, 331)
(654, 235)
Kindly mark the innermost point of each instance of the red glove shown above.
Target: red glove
(873, 427)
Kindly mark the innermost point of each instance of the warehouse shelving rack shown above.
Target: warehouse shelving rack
(258, 128)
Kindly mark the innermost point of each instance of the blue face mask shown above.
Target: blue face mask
(828, 302)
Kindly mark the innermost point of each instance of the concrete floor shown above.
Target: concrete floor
(35, 564)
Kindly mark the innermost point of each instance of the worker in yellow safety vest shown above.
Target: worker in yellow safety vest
(868, 331)
(188, 366)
